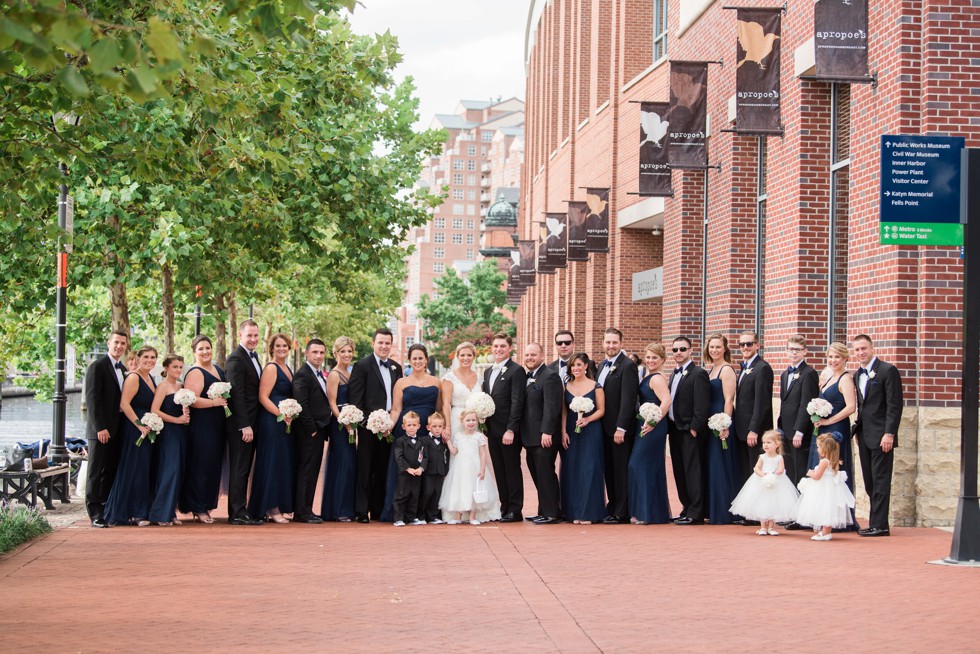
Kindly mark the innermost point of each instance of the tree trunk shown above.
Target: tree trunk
(167, 275)
(232, 302)
(220, 330)
(120, 307)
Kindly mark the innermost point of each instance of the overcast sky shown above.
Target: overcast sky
(454, 49)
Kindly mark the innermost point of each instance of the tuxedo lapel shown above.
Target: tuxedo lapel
(248, 359)
(377, 371)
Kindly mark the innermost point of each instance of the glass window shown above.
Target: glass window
(486, 136)
(471, 180)
(471, 164)
(471, 210)
(438, 267)
(457, 238)
(439, 237)
(439, 223)
(471, 224)
(471, 150)
(458, 194)
(458, 179)
(659, 29)
(457, 164)
(471, 194)
(470, 254)
(470, 239)
(457, 223)
(439, 253)
(459, 209)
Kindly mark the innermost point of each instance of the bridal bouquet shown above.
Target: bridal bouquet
(288, 408)
(769, 481)
(379, 422)
(719, 423)
(350, 417)
(650, 414)
(482, 404)
(581, 406)
(818, 408)
(154, 423)
(220, 389)
(185, 397)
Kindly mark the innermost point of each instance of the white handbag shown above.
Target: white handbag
(480, 494)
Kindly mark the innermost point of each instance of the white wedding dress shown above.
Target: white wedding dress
(460, 392)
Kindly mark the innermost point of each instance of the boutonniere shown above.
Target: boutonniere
(612, 369)
(795, 376)
(748, 371)
(872, 374)
(684, 374)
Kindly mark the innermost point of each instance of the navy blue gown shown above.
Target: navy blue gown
(167, 465)
(647, 473)
(275, 457)
(421, 400)
(205, 453)
(338, 483)
(842, 434)
(129, 498)
(582, 484)
(722, 468)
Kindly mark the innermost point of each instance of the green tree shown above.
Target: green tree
(478, 299)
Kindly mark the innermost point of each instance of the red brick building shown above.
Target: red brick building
(790, 237)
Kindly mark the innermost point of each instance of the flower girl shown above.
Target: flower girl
(768, 496)
(825, 500)
(469, 486)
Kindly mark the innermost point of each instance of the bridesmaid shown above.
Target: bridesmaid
(837, 387)
(338, 483)
(721, 466)
(129, 499)
(582, 486)
(275, 455)
(205, 435)
(418, 392)
(170, 445)
(647, 473)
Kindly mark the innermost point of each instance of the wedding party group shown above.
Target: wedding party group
(414, 449)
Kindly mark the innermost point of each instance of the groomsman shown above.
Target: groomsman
(504, 381)
(371, 382)
(879, 391)
(565, 346)
(688, 433)
(103, 390)
(620, 383)
(540, 427)
(753, 404)
(242, 370)
(310, 428)
(798, 385)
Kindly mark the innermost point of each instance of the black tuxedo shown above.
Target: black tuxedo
(436, 469)
(408, 455)
(508, 398)
(793, 417)
(620, 388)
(102, 398)
(309, 431)
(244, 405)
(753, 412)
(879, 413)
(368, 392)
(542, 415)
(691, 407)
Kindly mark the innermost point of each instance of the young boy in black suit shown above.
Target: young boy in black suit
(410, 457)
(436, 469)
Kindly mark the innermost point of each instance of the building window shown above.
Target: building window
(471, 150)
(439, 253)
(459, 210)
(409, 341)
(486, 136)
(659, 29)
(840, 163)
(458, 179)
(458, 194)
(471, 224)
(439, 223)
(471, 210)
(458, 164)
(439, 237)
(438, 268)
(470, 254)
(457, 223)
(470, 239)
(471, 180)
(457, 238)
(483, 151)
(471, 164)
(471, 194)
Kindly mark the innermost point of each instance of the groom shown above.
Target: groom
(372, 381)
(504, 381)
(242, 370)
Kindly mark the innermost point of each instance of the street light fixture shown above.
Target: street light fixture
(57, 452)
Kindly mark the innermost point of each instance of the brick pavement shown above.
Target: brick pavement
(516, 587)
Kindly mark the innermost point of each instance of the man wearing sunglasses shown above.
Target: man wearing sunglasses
(688, 433)
(753, 404)
(565, 346)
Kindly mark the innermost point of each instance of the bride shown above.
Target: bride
(458, 384)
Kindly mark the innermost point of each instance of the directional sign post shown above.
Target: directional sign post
(920, 190)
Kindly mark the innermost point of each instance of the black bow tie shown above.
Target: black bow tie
(120, 366)
(606, 363)
(318, 373)
(386, 363)
(791, 370)
(744, 365)
(862, 371)
(562, 364)
(678, 371)
(254, 355)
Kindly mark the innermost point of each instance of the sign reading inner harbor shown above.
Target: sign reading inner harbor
(920, 190)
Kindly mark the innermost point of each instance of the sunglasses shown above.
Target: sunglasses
(746, 344)
(563, 342)
(680, 349)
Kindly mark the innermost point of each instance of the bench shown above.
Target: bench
(27, 485)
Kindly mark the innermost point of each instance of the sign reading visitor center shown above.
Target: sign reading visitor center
(920, 190)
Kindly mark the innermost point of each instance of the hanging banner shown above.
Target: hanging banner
(556, 242)
(654, 143)
(514, 282)
(577, 234)
(688, 114)
(597, 222)
(527, 250)
(757, 71)
(840, 39)
(542, 249)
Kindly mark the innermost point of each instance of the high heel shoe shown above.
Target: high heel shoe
(276, 518)
(203, 518)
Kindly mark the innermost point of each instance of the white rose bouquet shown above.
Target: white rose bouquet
(719, 423)
(220, 389)
(379, 422)
(769, 481)
(154, 423)
(351, 418)
(581, 406)
(482, 404)
(289, 408)
(650, 414)
(818, 408)
(185, 397)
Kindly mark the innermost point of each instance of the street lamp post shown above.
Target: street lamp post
(58, 453)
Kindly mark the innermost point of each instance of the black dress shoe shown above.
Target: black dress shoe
(100, 523)
(511, 517)
(363, 519)
(309, 519)
(873, 532)
(614, 520)
(689, 521)
(738, 521)
(244, 521)
(547, 521)
(795, 526)
(532, 518)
